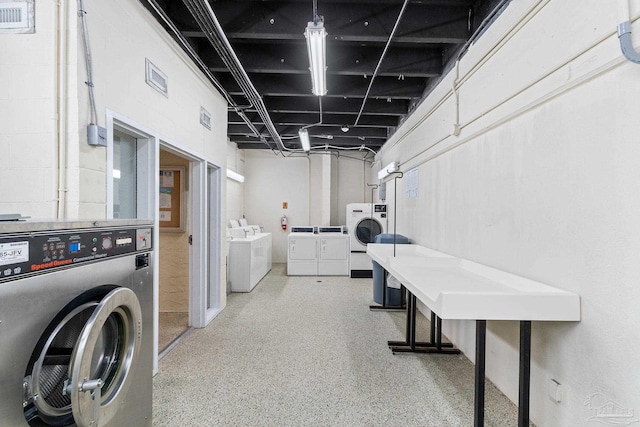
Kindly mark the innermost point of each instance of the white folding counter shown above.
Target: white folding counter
(454, 288)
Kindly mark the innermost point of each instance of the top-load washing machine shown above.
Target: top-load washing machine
(76, 323)
(364, 221)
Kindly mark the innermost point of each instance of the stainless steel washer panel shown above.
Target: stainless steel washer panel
(28, 305)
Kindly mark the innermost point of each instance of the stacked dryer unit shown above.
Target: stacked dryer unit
(364, 221)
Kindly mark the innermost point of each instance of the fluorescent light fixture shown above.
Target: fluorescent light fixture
(234, 176)
(116, 174)
(304, 139)
(317, 49)
(388, 170)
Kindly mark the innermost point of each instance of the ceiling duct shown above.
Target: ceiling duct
(206, 19)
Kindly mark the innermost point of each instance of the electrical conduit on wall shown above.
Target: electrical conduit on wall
(624, 33)
(417, 159)
(60, 99)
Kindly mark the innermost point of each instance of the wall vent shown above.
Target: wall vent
(17, 17)
(205, 118)
(157, 79)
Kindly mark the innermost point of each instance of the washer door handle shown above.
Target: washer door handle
(92, 386)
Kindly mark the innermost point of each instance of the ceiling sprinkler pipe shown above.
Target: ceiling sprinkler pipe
(624, 34)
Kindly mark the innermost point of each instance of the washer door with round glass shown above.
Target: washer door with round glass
(81, 368)
(367, 229)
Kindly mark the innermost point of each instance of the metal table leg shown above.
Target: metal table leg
(525, 373)
(410, 345)
(481, 342)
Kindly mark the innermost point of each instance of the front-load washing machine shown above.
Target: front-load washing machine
(364, 221)
(76, 323)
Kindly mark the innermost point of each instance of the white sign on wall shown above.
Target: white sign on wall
(411, 184)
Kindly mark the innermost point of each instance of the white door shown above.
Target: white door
(301, 248)
(334, 249)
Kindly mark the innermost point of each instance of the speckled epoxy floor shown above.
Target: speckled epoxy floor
(307, 351)
(171, 326)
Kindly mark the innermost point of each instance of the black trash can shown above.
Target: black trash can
(394, 296)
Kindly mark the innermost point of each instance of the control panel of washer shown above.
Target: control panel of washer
(27, 253)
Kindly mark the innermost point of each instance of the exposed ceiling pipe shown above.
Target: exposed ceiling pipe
(320, 122)
(456, 81)
(194, 56)
(384, 52)
(206, 19)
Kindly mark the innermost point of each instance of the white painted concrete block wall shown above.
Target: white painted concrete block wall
(235, 190)
(331, 183)
(350, 187)
(125, 34)
(122, 35)
(27, 119)
(543, 181)
(271, 180)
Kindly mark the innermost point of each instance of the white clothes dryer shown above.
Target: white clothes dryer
(364, 221)
(302, 251)
(333, 255)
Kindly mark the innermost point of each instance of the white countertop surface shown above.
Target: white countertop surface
(39, 225)
(248, 239)
(455, 288)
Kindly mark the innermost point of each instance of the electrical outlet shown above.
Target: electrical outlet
(555, 390)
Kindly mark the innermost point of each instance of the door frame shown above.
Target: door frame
(201, 186)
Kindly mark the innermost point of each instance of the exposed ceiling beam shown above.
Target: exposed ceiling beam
(366, 132)
(349, 86)
(359, 22)
(336, 105)
(342, 59)
(301, 119)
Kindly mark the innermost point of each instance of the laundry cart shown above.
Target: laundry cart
(393, 295)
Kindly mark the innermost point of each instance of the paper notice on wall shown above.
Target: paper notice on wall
(166, 179)
(411, 184)
(165, 216)
(165, 198)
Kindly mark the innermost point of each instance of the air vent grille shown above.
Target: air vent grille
(17, 17)
(156, 78)
(10, 16)
(205, 118)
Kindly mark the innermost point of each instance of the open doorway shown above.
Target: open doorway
(187, 233)
(174, 251)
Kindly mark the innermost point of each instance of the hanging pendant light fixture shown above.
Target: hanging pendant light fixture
(304, 139)
(317, 49)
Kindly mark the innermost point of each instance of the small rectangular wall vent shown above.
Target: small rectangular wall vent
(205, 118)
(17, 17)
(157, 79)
